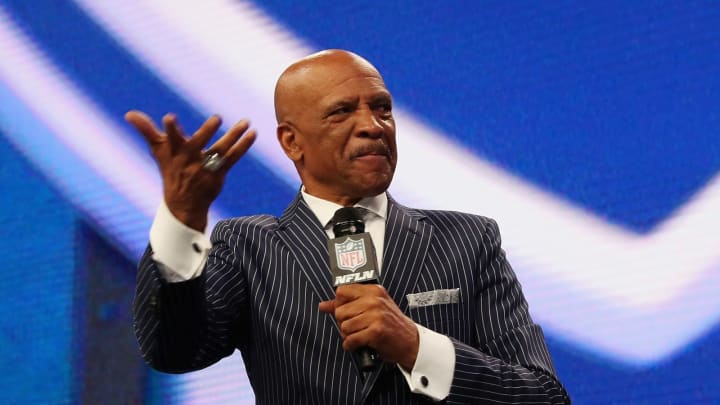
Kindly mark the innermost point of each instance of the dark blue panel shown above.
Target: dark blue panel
(36, 292)
(105, 346)
(612, 105)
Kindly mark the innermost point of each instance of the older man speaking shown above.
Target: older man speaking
(447, 320)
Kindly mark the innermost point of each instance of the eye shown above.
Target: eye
(384, 107)
(341, 110)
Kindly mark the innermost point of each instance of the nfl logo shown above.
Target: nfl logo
(350, 254)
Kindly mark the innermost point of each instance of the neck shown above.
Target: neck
(344, 201)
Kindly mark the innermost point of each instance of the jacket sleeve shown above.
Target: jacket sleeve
(511, 363)
(192, 324)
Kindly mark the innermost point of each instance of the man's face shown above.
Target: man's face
(345, 131)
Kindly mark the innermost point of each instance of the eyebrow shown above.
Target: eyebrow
(345, 102)
(381, 97)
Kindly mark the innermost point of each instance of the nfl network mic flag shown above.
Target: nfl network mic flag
(352, 259)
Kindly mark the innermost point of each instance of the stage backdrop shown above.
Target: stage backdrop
(589, 130)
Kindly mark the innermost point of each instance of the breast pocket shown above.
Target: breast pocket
(439, 310)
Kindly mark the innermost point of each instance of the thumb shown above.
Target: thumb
(327, 306)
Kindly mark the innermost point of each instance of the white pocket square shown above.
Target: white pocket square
(434, 297)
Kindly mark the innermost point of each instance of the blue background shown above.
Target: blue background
(611, 105)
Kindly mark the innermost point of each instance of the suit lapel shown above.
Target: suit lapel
(306, 239)
(407, 239)
(302, 233)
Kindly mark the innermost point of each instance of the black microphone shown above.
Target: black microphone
(353, 260)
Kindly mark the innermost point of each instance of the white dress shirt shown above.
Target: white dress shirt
(181, 252)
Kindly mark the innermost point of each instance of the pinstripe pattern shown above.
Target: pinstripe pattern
(265, 277)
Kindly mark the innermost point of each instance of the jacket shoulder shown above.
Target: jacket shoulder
(246, 225)
(455, 219)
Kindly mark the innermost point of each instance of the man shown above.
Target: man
(448, 318)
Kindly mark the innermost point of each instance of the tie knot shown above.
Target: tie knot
(349, 214)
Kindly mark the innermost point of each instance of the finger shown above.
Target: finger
(355, 308)
(327, 307)
(395, 338)
(239, 149)
(206, 131)
(229, 138)
(362, 338)
(145, 126)
(175, 134)
(355, 324)
(351, 292)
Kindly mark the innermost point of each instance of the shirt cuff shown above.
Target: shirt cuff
(434, 367)
(179, 251)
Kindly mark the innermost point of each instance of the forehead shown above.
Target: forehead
(333, 80)
(366, 88)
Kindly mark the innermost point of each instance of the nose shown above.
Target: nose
(368, 124)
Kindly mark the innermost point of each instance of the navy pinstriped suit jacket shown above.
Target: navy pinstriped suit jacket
(265, 276)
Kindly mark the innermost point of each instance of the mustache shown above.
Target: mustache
(372, 149)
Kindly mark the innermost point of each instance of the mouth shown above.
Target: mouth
(371, 151)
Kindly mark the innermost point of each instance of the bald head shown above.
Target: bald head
(335, 123)
(301, 82)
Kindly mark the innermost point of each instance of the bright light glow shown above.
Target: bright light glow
(75, 145)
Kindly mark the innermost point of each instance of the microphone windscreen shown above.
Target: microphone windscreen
(348, 221)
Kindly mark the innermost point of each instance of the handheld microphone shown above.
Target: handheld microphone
(353, 260)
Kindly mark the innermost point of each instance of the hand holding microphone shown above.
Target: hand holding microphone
(353, 260)
(369, 320)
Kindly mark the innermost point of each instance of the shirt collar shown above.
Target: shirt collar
(324, 210)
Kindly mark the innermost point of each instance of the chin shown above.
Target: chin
(378, 184)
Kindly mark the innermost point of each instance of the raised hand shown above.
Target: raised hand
(190, 185)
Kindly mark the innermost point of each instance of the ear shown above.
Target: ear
(288, 139)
